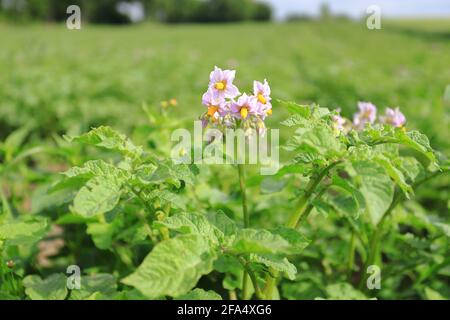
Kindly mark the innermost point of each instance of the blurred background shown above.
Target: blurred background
(130, 53)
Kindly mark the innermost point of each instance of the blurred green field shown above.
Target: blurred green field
(68, 81)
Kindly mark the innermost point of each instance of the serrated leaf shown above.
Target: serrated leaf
(173, 267)
(108, 138)
(395, 174)
(52, 288)
(200, 294)
(169, 172)
(192, 224)
(99, 195)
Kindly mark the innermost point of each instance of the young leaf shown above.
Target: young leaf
(173, 267)
(108, 138)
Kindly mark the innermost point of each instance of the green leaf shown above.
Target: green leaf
(191, 223)
(200, 294)
(275, 262)
(76, 177)
(417, 141)
(259, 241)
(52, 288)
(376, 187)
(272, 185)
(395, 174)
(222, 222)
(344, 291)
(173, 267)
(296, 109)
(26, 231)
(98, 196)
(295, 239)
(168, 172)
(167, 197)
(108, 138)
(102, 283)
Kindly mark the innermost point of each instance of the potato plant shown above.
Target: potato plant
(138, 226)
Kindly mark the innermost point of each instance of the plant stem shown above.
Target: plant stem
(241, 170)
(300, 214)
(351, 256)
(246, 217)
(303, 201)
(252, 277)
(376, 236)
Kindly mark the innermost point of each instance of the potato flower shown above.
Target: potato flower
(366, 115)
(221, 83)
(261, 92)
(245, 107)
(393, 117)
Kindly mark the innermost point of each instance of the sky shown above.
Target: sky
(356, 8)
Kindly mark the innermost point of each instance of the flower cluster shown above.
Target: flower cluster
(226, 107)
(366, 115)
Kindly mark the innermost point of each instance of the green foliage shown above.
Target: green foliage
(51, 288)
(143, 228)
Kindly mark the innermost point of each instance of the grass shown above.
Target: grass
(71, 80)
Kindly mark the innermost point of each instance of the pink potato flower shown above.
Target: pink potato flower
(261, 92)
(394, 117)
(244, 107)
(214, 103)
(221, 83)
(367, 114)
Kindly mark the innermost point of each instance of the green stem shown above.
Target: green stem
(376, 236)
(241, 171)
(299, 215)
(252, 277)
(351, 256)
(303, 201)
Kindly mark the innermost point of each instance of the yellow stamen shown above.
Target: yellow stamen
(173, 102)
(219, 85)
(262, 99)
(212, 110)
(244, 113)
(269, 112)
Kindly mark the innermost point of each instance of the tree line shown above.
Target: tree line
(170, 11)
